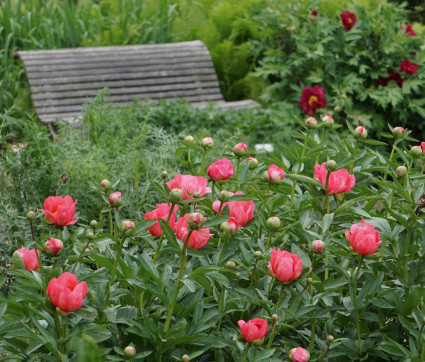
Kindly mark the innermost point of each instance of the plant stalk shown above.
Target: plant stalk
(161, 239)
(359, 339)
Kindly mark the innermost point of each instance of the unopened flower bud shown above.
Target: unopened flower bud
(240, 149)
(105, 184)
(258, 254)
(91, 294)
(196, 195)
(311, 123)
(317, 246)
(360, 133)
(223, 196)
(185, 358)
(253, 162)
(127, 225)
(207, 142)
(328, 121)
(30, 216)
(115, 199)
(195, 221)
(189, 138)
(331, 165)
(53, 246)
(90, 236)
(416, 151)
(258, 342)
(275, 317)
(176, 195)
(230, 264)
(398, 132)
(423, 320)
(273, 223)
(129, 352)
(330, 338)
(164, 174)
(230, 226)
(309, 280)
(401, 171)
(17, 260)
(299, 355)
(93, 224)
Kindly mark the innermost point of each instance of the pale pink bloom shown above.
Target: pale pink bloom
(364, 239)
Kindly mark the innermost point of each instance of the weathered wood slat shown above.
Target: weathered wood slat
(152, 89)
(122, 83)
(122, 76)
(235, 105)
(112, 62)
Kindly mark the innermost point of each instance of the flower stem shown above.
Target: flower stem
(423, 168)
(222, 251)
(420, 337)
(321, 141)
(81, 255)
(178, 285)
(273, 334)
(238, 164)
(212, 193)
(161, 239)
(114, 269)
(269, 240)
(202, 161)
(245, 355)
(326, 352)
(354, 155)
(327, 193)
(406, 254)
(359, 339)
(294, 184)
(391, 157)
(253, 274)
(111, 225)
(38, 257)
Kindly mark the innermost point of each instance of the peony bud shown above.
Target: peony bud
(105, 184)
(115, 199)
(401, 171)
(416, 151)
(93, 224)
(398, 132)
(17, 260)
(317, 246)
(53, 246)
(253, 162)
(360, 133)
(196, 195)
(176, 195)
(230, 264)
(129, 352)
(30, 216)
(273, 223)
(164, 174)
(127, 225)
(90, 236)
(330, 165)
(330, 338)
(230, 226)
(258, 254)
(91, 294)
(240, 149)
(207, 142)
(299, 355)
(195, 221)
(328, 121)
(309, 280)
(275, 317)
(189, 138)
(311, 123)
(223, 196)
(185, 358)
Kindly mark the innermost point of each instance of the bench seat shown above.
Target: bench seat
(62, 81)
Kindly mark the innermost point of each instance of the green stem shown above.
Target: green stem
(273, 334)
(81, 255)
(422, 171)
(222, 251)
(294, 183)
(263, 207)
(420, 337)
(161, 239)
(321, 141)
(238, 163)
(202, 161)
(391, 157)
(111, 225)
(178, 285)
(253, 274)
(406, 254)
(295, 300)
(58, 331)
(327, 193)
(359, 339)
(269, 240)
(245, 355)
(38, 258)
(313, 325)
(212, 193)
(354, 155)
(326, 352)
(114, 269)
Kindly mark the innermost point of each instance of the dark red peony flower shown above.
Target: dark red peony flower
(348, 19)
(409, 31)
(408, 67)
(314, 13)
(393, 76)
(312, 98)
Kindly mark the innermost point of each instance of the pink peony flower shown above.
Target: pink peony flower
(339, 181)
(189, 185)
(53, 246)
(29, 258)
(363, 238)
(240, 149)
(66, 293)
(254, 331)
(59, 210)
(299, 355)
(348, 19)
(284, 265)
(276, 174)
(161, 212)
(312, 98)
(408, 67)
(241, 211)
(423, 147)
(220, 170)
(198, 239)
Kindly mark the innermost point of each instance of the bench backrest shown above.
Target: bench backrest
(63, 80)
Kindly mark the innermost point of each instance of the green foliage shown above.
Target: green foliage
(299, 51)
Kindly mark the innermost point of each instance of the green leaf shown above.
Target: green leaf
(302, 178)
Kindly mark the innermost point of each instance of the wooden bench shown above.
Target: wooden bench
(62, 81)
